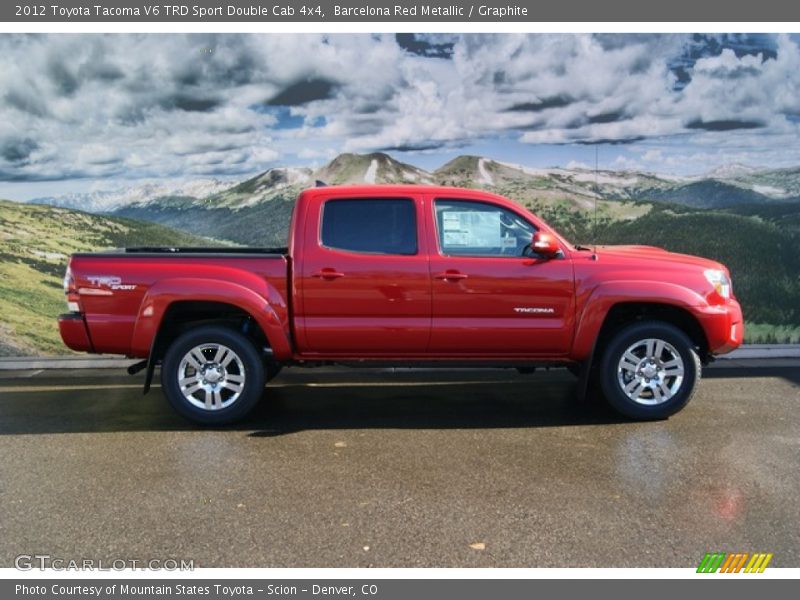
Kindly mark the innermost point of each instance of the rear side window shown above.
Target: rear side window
(375, 226)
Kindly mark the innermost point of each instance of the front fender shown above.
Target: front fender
(258, 298)
(594, 309)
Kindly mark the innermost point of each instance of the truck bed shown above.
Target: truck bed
(114, 287)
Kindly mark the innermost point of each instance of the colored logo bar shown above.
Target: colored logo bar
(736, 562)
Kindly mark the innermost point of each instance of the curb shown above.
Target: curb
(24, 363)
(763, 351)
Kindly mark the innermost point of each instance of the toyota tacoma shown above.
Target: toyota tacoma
(405, 275)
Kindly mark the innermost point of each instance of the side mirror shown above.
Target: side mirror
(545, 245)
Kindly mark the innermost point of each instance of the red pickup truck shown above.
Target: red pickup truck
(405, 275)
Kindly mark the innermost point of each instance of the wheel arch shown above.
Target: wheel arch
(173, 303)
(611, 303)
(623, 313)
(602, 318)
(183, 315)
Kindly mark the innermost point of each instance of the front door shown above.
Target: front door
(490, 296)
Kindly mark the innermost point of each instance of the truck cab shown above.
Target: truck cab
(427, 273)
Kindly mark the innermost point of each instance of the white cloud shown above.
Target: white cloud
(316, 154)
(576, 164)
(139, 106)
(653, 156)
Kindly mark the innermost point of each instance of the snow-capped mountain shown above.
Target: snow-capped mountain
(111, 200)
(728, 185)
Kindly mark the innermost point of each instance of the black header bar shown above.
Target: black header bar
(397, 11)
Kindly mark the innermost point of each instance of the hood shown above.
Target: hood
(656, 254)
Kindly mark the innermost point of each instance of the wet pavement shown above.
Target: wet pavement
(349, 468)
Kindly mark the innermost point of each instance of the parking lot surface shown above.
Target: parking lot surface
(346, 468)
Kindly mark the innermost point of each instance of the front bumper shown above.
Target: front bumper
(72, 328)
(723, 325)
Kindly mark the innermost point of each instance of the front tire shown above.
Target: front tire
(212, 375)
(649, 370)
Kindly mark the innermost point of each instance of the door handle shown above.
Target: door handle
(328, 273)
(451, 276)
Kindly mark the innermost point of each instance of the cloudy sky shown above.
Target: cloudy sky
(82, 112)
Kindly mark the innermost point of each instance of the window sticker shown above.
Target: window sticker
(472, 229)
(451, 221)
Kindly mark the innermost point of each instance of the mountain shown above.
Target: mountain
(729, 185)
(779, 184)
(579, 186)
(260, 188)
(370, 168)
(574, 187)
(35, 242)
(110, 200)
(479, 171)
(264, 223)
(731, 171)
(257, 211)
(708, 193)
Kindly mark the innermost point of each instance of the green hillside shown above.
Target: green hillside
(785, 215)
(262, 224)
(758, 243)
(35, 243)
(708, 193)
(762, 258)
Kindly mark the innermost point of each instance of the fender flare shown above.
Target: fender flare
(258, 298)
(602, 298)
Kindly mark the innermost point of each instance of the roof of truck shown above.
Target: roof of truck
(394, 188)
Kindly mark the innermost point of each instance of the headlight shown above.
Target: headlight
(720, 282)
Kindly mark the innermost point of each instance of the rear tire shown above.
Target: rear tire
(649, 370)
(212, 375)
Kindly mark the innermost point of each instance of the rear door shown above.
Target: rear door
(365, 280)
(489, 298)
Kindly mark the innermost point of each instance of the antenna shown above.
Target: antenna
(596, 193)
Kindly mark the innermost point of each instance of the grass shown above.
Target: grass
(764, 333)
(35, 244)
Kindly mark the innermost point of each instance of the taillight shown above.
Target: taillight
(71, 291)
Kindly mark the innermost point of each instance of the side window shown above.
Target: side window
(480, 229)
(375, 226)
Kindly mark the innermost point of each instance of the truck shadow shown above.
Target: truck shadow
(302, 400)
(294, 403)
(721, 371)
(441, 405)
